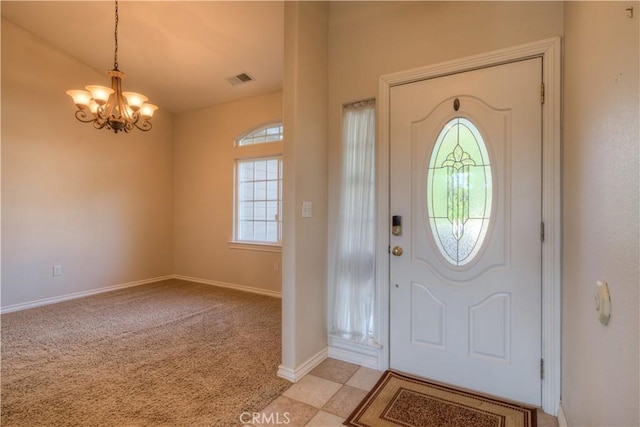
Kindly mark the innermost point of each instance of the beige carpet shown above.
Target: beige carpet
(401, 400)
(171, 353)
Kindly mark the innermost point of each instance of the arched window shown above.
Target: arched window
(272, 132)
(258, 187)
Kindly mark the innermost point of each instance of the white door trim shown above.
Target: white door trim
(550, 52)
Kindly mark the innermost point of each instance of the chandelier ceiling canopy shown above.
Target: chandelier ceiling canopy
(110, 107)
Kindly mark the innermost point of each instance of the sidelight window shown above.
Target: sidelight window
(352, 281)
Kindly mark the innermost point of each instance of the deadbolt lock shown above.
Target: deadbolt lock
(396, 225)
(397, 250)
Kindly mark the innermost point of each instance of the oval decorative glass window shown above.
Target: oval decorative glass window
(459, 191)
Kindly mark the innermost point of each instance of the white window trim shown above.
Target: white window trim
(255, 246)
(246, 150)
(263, 246)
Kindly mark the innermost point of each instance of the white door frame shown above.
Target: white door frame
(550, 52)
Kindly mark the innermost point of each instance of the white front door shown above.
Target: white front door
(465, 187)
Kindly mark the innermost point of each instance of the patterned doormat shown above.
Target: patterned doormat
(400, 400)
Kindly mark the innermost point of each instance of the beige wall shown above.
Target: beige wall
(601, 237)
(92, 201)
(305, 172)
(204, 155)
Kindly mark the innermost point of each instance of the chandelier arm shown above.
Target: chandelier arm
(145, 125)
(81, 115)
(118, 104)
(135, 117)
(99, 124)
(101, 114)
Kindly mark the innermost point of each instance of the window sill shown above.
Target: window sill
(254, 246)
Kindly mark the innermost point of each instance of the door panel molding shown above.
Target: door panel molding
(550, 52)
(435, 315)
(496, 304)
(499, 259)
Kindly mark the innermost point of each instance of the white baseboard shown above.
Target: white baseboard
(562, 419)
(67, 297)
(295, 375)
(351, 352)
(243, 288)
(350, 357)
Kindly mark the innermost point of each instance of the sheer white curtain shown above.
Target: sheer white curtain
(352, 282)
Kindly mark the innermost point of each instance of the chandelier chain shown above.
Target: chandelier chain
(115, 55)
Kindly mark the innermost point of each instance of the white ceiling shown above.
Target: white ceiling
(178, 53)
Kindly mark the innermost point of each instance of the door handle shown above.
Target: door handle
(397, 250)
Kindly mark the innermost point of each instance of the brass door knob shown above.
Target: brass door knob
(397, 250)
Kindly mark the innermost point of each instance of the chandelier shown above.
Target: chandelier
(112, 108)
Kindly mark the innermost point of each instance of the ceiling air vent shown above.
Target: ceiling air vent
(239, 79)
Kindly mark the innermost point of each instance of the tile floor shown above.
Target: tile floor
(328, 395)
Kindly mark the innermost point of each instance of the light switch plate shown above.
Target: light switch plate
(307, 210)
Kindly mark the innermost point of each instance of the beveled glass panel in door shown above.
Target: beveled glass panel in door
(459, 191)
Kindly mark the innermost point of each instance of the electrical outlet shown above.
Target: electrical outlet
(57, 270)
